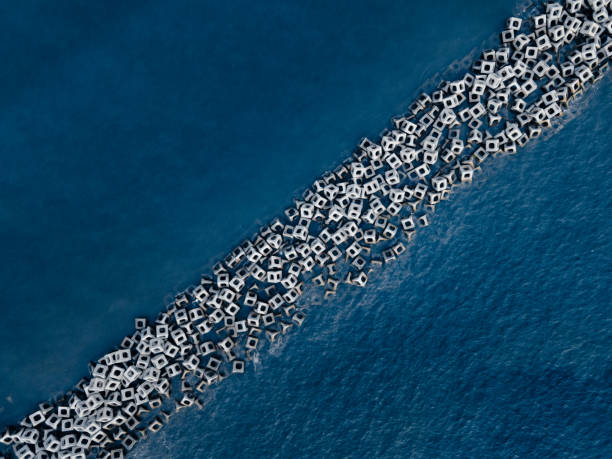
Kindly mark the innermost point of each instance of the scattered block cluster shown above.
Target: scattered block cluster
(356, 217)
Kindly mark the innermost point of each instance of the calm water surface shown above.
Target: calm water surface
(142, 140)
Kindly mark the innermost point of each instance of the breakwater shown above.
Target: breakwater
(376, 256)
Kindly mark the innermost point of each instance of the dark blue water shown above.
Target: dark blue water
(142, 140)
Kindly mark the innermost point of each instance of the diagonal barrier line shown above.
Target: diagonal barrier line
(359, 216)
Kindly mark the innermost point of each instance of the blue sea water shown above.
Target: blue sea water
(142, 140)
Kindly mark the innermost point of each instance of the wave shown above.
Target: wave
(357, 217)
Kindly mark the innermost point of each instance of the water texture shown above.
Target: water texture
(143, 142)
